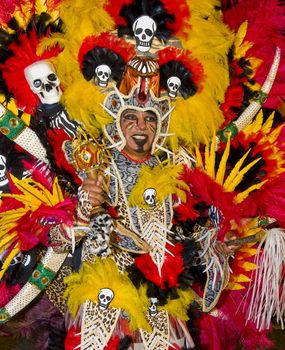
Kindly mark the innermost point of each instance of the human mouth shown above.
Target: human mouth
(139, 137)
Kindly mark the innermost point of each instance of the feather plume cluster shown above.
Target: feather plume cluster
(105, 49)
(87, 283)
(18, 48)
(163, 178)
(266, 25)
(209, 42)
(81, 20)
(23, 227)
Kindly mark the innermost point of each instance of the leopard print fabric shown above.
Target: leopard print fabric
(55, 290)
(84, 206)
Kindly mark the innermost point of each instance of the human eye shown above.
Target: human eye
(150, 118)
(130, 116)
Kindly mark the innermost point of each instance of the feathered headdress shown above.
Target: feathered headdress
(20, 51)
(108, 50)
(170, 19)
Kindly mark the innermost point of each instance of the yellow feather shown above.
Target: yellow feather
(212, 158)
(249, 251)
(86, 284)
(241, 33)
(198, 157)
(232, 185)
(248, 266)
(163, 178)
(178, 307)
(240, 46)
(240, 278)
(235, 170)
(55, 39)
(33, 195)
(268, 124)
(8, 260)
(255, 125)
(239, 198)
(234, 286)
(223, 163)
(209, 42)
(8, 239)
(40, 6)
(89, 111)
(206, 157)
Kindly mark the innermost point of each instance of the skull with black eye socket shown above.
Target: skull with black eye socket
(149, 196)
(103, 73)
(18, 259)
(144, 29)
(3, 178)
(173, 84)
(153, 307)
(43, 81)
(105, 296)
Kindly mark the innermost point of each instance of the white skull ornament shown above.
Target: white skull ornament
(43, 81)
(103, 73)
(153, 307)
(18, 259)
(149, 197)
(144, 29)
(173, 84)
(105, 296)
(3, 178)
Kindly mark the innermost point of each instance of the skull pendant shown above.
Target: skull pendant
(144, 29)
(105, 296)
(153, 307)
(103, 73)
(173, 84)
(3, 178)
(149, 196)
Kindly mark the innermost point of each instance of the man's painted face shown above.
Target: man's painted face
(139, 129)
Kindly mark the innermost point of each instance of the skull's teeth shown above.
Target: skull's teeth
(142, 43)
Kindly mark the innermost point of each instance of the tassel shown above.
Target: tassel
(268, 289)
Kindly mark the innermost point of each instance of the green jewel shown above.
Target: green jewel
(231, 130)
(261, 97)
(262, 221)
(4, 316)
(41, 277)
(11, 126)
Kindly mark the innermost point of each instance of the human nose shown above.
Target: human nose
(141, 123)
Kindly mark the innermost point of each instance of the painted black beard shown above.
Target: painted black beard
(140, 144)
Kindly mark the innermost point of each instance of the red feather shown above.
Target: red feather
(72, 339)
(108, 41)
(180, 26)
(24, 54)
(184, 56)
(114, 8)
(7, 292)
(204, 189)
(269, 200)
(171, 269)
(266, 22)
(7, 9)
(113, 343)
(56, 137)
(180, 10)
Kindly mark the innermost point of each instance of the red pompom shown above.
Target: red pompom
(108, 41)
(170, 271)
(184, 56)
